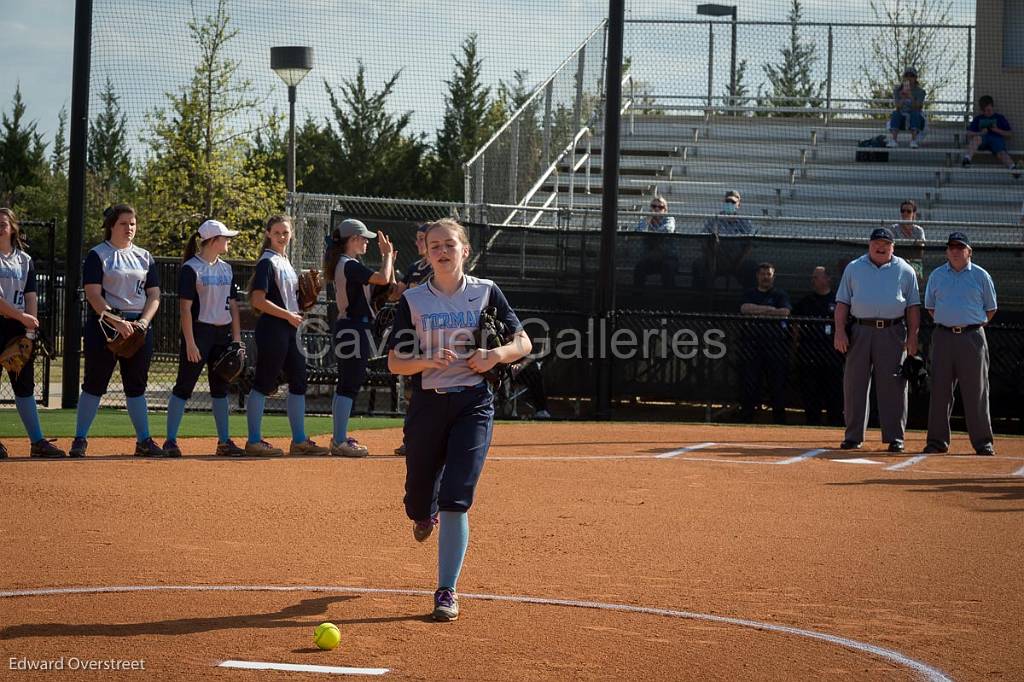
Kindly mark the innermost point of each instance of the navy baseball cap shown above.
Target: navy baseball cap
(883, 233)
(960, 237)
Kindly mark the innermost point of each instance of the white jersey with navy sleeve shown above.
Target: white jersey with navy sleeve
(433, 321)
(283, 290)
(210, 287)
(17, 278)
(124, 274)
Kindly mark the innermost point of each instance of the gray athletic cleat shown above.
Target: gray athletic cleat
(446, 605)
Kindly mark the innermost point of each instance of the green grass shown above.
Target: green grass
(115, 423)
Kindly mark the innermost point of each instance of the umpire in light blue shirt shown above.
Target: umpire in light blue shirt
(961, 298)
(880, 291)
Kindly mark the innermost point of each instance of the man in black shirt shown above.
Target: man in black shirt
(765, 345)
(820, 367)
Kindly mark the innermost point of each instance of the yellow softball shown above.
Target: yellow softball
(327, 636)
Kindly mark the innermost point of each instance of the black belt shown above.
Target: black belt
(963, 328)
(879, 324)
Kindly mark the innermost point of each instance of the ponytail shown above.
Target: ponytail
(336, 245)
(191, 247)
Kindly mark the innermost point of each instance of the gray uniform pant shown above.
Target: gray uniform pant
(959, 358)
(874, 356)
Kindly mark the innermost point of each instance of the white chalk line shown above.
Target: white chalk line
(802, 456)
(926, 671)
(302, 668)
(689, 448)
(906, 463)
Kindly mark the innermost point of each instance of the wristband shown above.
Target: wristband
(144, 322)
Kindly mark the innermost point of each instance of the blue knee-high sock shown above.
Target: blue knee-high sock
(139, 412)
(297, 417)
(452, 541)
(175, 412)
(254, 414)
(88, 404)
(29, 416)
(342, 409)
(220, 418)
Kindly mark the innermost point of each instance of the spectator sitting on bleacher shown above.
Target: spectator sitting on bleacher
(657, 258)
(731, 256)
(910, 238)
(908, 98)
(765, 346)
(989, 131)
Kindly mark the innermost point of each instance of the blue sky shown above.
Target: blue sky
(144, 47)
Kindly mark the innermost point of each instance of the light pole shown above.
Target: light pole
(712, 10)
(291, 64)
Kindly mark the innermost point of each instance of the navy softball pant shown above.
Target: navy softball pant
(277, 351)
(100, 361)
(446, 442)
(352, 346)
(212, 341)
(23, 382)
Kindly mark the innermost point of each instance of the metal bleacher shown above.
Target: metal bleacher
(801, 167)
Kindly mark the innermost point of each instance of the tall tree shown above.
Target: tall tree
(197, 163)
(22, 152)
(740, 97)
(108, 159)
(59, 156)
(913, 34)
(375, 155)
(791, 81)
(468, 121)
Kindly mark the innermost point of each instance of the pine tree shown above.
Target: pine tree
(197, 164)
(741, 96)
(22, 152)
(108, 159)
(791, 81)
(374, 153)
(59, 157)
(468, 121)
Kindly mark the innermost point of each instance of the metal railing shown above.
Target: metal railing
(505, 169)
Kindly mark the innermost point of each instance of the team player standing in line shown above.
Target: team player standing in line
(273, 293)
(18, 306)
(208, 305)
(451, 414)
(352, 281)
(122, 279)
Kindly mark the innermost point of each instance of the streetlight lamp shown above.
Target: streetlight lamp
(291, 64)
(712, 10)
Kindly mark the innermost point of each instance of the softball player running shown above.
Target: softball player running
(208, 303)
(272, 292)
(352, 282)
(451, 413)
(122, 279)
(18, 305)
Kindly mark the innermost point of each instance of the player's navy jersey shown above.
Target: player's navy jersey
(124, 274)
(17, 277)
(352, 288)
(276, 276)
(427, 320)
(210, 287)
(419, 272)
